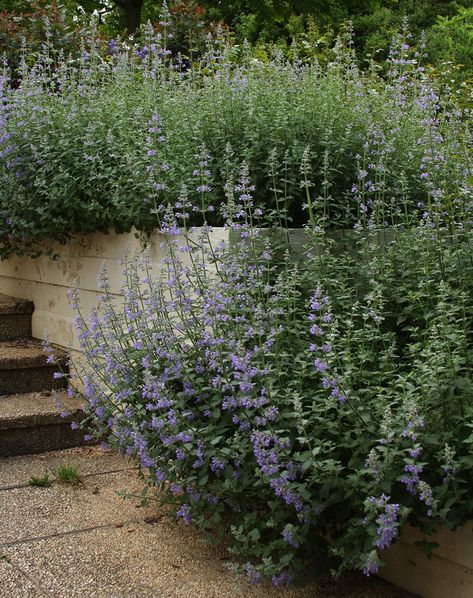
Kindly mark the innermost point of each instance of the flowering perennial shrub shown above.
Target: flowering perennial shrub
(72, 133)
(303, 406)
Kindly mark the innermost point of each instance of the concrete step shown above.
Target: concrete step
(15, 318)
(32, 423)
(24, 368)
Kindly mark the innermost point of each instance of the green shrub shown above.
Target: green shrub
(451, 40)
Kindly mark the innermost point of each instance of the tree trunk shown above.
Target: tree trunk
(131, 14)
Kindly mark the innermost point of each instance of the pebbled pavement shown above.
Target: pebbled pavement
(86, 541)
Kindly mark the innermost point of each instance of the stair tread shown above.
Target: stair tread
(24, 353)
(14, 305)
(36, 408)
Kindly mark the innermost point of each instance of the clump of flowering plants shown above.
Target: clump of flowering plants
(306, 409)
(73, 128)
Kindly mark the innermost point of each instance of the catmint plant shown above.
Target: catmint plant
(303, 403)
(73, 129)
(304, 407)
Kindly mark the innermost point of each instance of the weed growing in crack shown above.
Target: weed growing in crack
(42, 481)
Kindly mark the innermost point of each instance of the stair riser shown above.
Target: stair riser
(38, 439)
(29, 420)
(23, 380)
(15, 326)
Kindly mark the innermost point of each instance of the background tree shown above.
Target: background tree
(448, 23)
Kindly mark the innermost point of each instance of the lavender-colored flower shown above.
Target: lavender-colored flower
(288, 535)
(252, 574)
(281, 579)
(320, 366)
(217, 464)
(176, 488)
(184, 513)
(412, 477)
(371, 566)
(387, 526)
(426, 496)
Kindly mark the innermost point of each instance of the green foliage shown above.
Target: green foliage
(451, 39)
(29, 26)
(189, 28)
(265, 20)
(67, 474)
(42, 481)
(18, 6)
(304, 403)
(78, 156)
(377, 27)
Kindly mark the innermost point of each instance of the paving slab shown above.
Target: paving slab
(110, 487)
(87, 460)
(86, 541)
(14, 584)
(37, 512)
(32, 512)
(137, 561)
(108, 562)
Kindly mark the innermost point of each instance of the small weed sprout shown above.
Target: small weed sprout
(41, 481)
(67, 474)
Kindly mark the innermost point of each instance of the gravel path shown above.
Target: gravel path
(86, 541)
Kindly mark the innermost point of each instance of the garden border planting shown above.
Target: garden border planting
(47, 281)
(304, 394)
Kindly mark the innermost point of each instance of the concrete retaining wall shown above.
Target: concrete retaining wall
(45, 281)
(448, 574)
